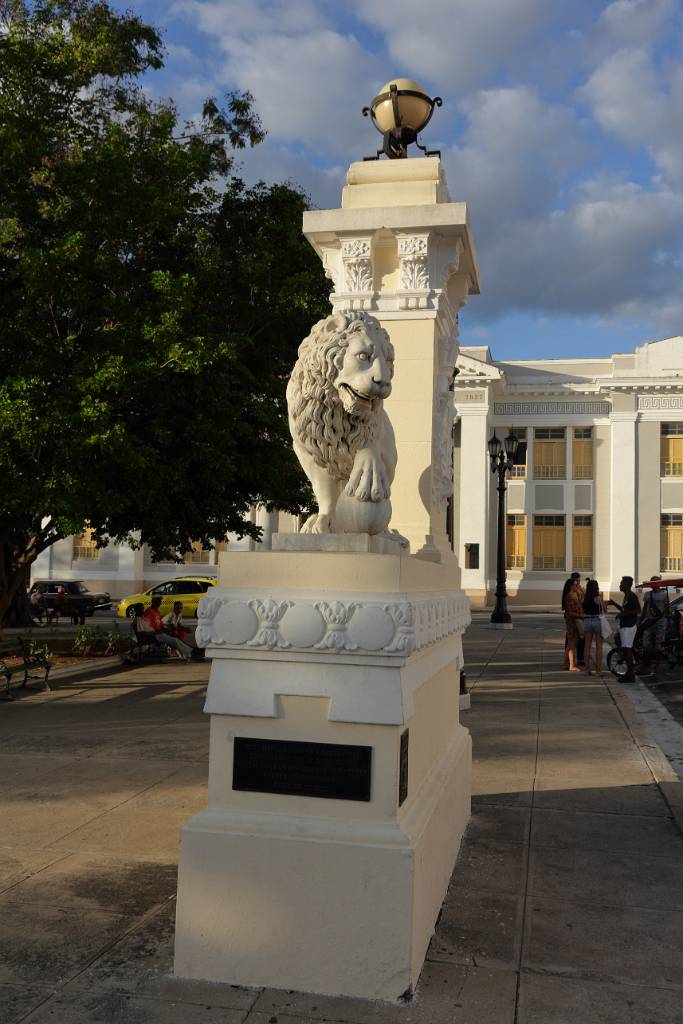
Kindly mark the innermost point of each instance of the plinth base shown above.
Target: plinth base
(294, 903)
(339, 777)
(338, 542)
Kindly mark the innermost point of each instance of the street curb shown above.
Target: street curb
(665, 776)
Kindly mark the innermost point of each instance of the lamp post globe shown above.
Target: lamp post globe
(414, 106)
(494, 447)
(399, 111)
(511, 445)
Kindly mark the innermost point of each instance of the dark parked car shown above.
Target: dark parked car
(82, 600)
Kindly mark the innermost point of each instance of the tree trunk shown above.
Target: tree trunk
(18, 552)
(18, 613)
(14, 575)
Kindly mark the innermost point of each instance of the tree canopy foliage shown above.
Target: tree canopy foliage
(151, 303)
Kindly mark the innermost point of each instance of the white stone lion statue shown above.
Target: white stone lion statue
(342, 435)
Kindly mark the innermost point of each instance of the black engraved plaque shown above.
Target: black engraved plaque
(403, 768)
(336, 771)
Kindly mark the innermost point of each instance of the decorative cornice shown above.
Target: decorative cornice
(661, 402)
(367, 624)
(551, 408)
(474, 369)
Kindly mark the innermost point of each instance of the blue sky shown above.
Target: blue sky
(562, 128)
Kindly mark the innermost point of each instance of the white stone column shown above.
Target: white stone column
(402, 250)
(472, 492)
(131, 564)
(623, 517)
(268, 523)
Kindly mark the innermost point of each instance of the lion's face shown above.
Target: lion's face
(364, 378)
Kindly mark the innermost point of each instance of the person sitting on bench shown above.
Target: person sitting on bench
(153, 624)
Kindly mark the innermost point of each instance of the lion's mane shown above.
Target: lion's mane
(318, 420)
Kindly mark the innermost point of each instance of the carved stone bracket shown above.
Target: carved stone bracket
(412, 254)
(364, 625)
(357, 261)
(413, 258)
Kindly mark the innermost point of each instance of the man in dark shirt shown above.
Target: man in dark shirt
(628, 623)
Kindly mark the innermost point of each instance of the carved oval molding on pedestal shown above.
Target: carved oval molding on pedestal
(302, 625)
(363, 625)
(235, 623)
(371, 628)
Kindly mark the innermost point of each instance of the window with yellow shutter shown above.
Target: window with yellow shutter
(197, 554)
(671, 542)
(84, 546)
(515, 542)
(582, 453)
(582, 542)
(519, 468)
(671, 449)
(550, 453)
(548, 542)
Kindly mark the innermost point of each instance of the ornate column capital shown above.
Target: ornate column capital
(356, 256)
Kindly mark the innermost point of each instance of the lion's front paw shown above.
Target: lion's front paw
(367, 481)
(317, 523)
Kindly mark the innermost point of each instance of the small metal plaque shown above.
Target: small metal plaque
(403, 768)
(335, 771)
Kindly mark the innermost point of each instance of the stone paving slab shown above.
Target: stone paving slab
(599, 941)
(105, 1007)
(566, 903)
(554, 1000)
(448, 994)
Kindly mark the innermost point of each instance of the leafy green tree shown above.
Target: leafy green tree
(151, 303)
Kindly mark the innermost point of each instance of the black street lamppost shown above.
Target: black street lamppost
(502, 455)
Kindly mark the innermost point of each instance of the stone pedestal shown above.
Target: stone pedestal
(323, 868)
(400, 249)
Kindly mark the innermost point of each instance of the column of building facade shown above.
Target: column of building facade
(474, 496)
(623, 420)
(131, 565)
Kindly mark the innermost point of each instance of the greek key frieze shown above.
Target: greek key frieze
(552, 408)
(661, 402)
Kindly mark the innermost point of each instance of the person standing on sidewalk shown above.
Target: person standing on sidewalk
(655, 620)
(593, 607)
(576, 579)
(573, 614)
(629, 613)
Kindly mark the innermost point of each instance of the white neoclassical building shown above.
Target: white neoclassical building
(123, 570)
(599, 486)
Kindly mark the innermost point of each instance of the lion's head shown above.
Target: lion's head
(337, 387)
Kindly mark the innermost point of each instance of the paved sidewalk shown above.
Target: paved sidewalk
(566, 903)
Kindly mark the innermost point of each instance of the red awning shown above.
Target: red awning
(658, 584)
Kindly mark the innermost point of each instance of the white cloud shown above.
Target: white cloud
(633, 100)
(515, 152)
(603, 246)
(308, 80)
(613, 252)
(561, 226)
(274, 162)
(222, 18)
(634, 22)
(454, 44)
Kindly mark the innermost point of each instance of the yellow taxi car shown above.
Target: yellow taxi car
(187, 589)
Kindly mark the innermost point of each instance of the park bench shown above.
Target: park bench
(16, 659)
(144, 645)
